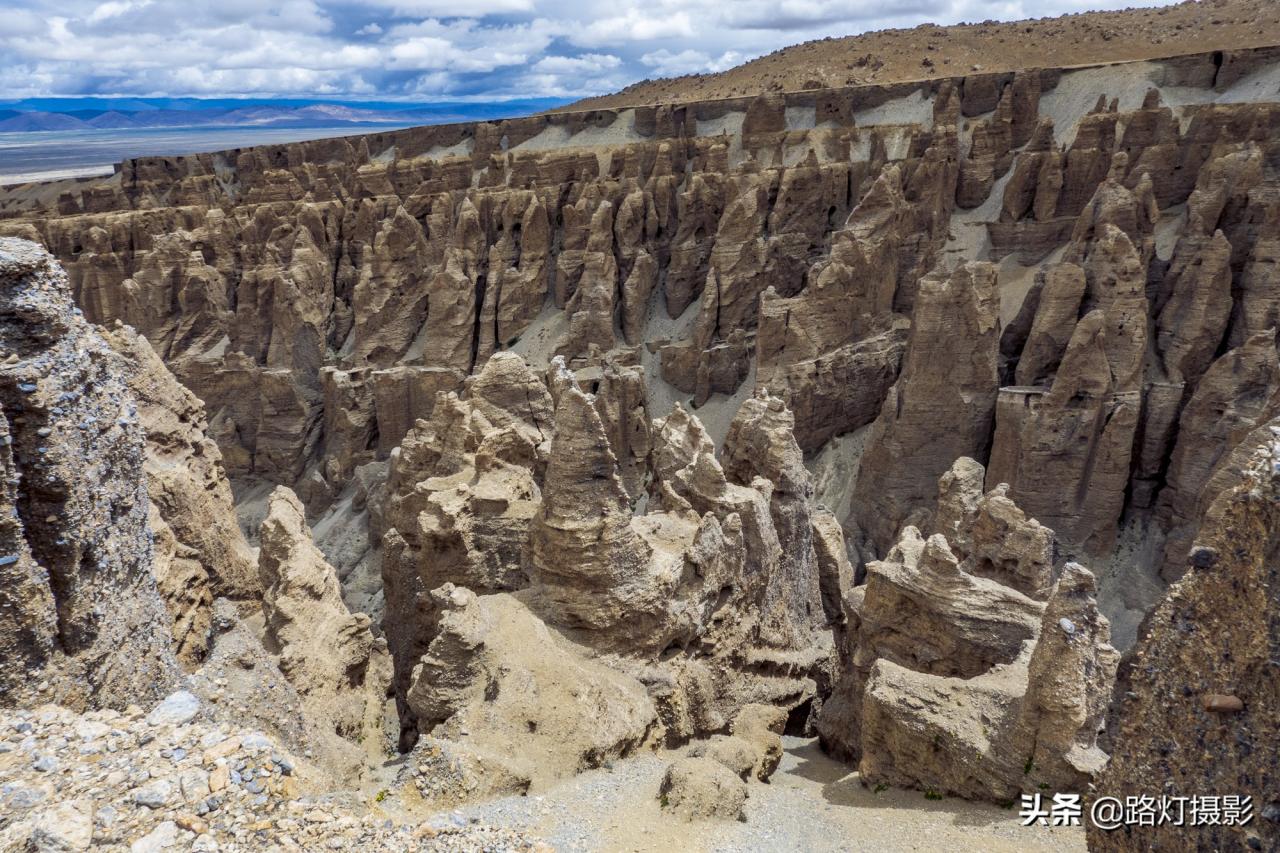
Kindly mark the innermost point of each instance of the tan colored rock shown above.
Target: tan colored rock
(701, 788)
(500, 675)
(592, 306)
(1193, 321)
(587, 561)
(390, 299)
(1032, 720)
(1063, 287)
(328, 654)
(920, 610)
(190, 493)
(989, 157)
(1065, 453)
(1239, 392)
(942, 406)
(761, 445)
(1069, 682)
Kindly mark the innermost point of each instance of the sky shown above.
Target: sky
(427, 50)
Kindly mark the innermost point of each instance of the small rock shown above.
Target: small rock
(176, 709)
(154, 795)
(64, 826)
(218, 778)
(163, 836)
(1221, 703)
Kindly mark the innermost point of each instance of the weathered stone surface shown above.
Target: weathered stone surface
(942, 406)
(200, 551)
(1239, 392)
(498, 673)
(1055, 318)
(1065, 452)
(1213, 634)
(1033, 720)
(699, 788)
(328, 654)
(83, 621)
(951, 679)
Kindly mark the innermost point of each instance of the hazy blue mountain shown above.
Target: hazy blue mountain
(25, 122)
(54, 114)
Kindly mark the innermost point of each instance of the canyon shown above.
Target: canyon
(935, 420)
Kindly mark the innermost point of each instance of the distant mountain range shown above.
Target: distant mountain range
(55, 114)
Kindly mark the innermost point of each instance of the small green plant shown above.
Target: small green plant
(1028, 767)
(931, 794)
(882, 787)
(382, 795)
(1043, 786)
(664, 801)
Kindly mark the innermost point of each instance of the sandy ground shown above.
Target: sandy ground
(813, 804)
(927, 51)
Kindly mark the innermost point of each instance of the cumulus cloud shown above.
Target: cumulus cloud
(421, 50)
(667, 64)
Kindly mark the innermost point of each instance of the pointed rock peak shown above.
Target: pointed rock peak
(582, 472)
(908, 548)
(1084, 369)
(1042, 138)
(507, 384)
(560, 378)
(283, 530)
(1119, 167)
(679, 441)
(959, 491)
(468, 233)
(761, 443)
(600, 238)
(1075, 582)
(937, 557)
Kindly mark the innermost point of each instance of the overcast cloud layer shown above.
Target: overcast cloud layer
(421, 50)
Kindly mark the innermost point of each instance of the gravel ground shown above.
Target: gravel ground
(812, 804)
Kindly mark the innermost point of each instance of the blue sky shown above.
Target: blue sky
(423, 50)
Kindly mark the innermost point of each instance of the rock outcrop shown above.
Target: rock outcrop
(82, 622)
(706, 591)
(953, 680)
(579, 384)
(1197, 703)
(327, 653)
(200, 553)
(942, 405)
(541, 707)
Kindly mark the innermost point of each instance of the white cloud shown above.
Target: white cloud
(667, 64)
(634, 25)
(587, 63)
(451, 8)
(115, 9)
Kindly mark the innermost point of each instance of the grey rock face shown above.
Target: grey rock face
(79, 611)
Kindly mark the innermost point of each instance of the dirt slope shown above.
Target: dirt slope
(891, 56)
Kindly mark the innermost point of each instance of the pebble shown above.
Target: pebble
(176, 709)
(126, 797)
(154, 795)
